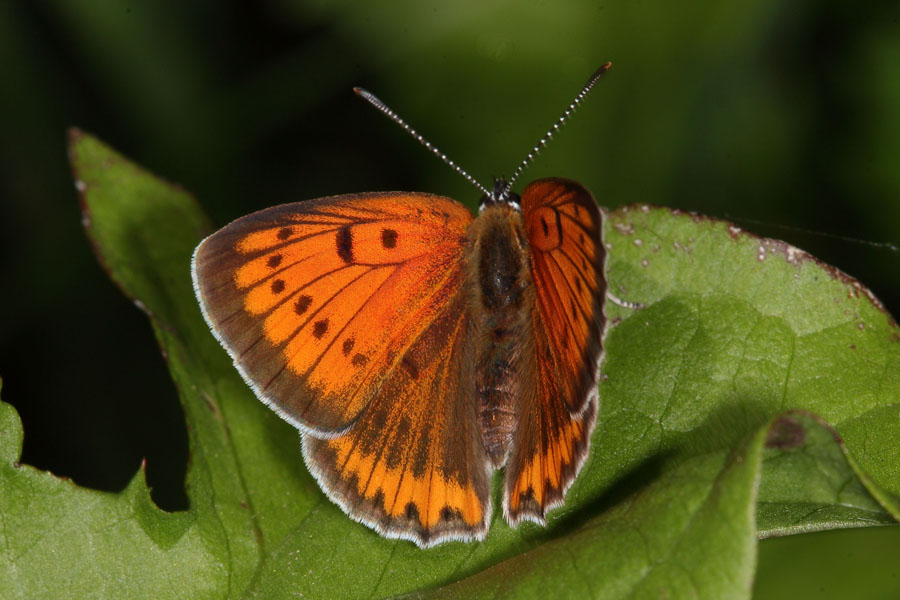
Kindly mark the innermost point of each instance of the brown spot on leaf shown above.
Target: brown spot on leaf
(786, 434)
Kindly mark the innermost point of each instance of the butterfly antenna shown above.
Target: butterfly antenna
(556, 126)
(381, 106)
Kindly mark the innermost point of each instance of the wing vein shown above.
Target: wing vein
(363, 380)
(572, 293)
(559, 304)
(298, 329)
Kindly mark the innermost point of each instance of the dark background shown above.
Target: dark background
(782, 115)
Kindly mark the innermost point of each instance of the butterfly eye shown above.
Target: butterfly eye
(544, 229)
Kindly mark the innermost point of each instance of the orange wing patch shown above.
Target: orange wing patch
(563, 222)
(563, 226)
(412, 466)
(315, 301)
(540, 471)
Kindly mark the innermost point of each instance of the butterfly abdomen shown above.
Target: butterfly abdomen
(500, 300)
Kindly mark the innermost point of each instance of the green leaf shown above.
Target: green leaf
(691, 531)
(738, 329)
(62, 541)
(756, 394)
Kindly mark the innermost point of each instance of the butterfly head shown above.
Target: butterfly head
(500, 194)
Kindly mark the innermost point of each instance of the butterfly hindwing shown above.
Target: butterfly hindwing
(316, 301)
(559, 402)
(413, 466)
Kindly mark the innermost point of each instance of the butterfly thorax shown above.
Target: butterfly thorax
(500, 299)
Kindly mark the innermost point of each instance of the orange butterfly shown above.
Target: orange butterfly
(418, 349)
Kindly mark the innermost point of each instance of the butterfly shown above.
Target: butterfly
(419, 349)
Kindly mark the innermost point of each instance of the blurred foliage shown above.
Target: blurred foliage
(783, 116)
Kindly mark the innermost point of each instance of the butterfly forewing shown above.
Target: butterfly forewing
(317, 301)
(559, 400)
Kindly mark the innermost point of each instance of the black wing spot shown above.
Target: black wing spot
(578, 283)
(345, 244)
(574, 309)
(378, 500)
(581, 238)
(527, 495)
(447, 513)
(389, 238)
(577, 211)
(284, 233)
(274, 261)
(348, 346)
(302, 304)
(278, 286)
(412, 511)
(410, 366)
(359, 360)
(320, 328)
(545, 227)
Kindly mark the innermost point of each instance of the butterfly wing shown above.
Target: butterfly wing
(347, 315)
(413, 465)
(559, 401)
(317, 301)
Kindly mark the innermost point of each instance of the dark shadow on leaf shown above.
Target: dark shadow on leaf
(726, 426)
(630, 484)
(626, 486)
